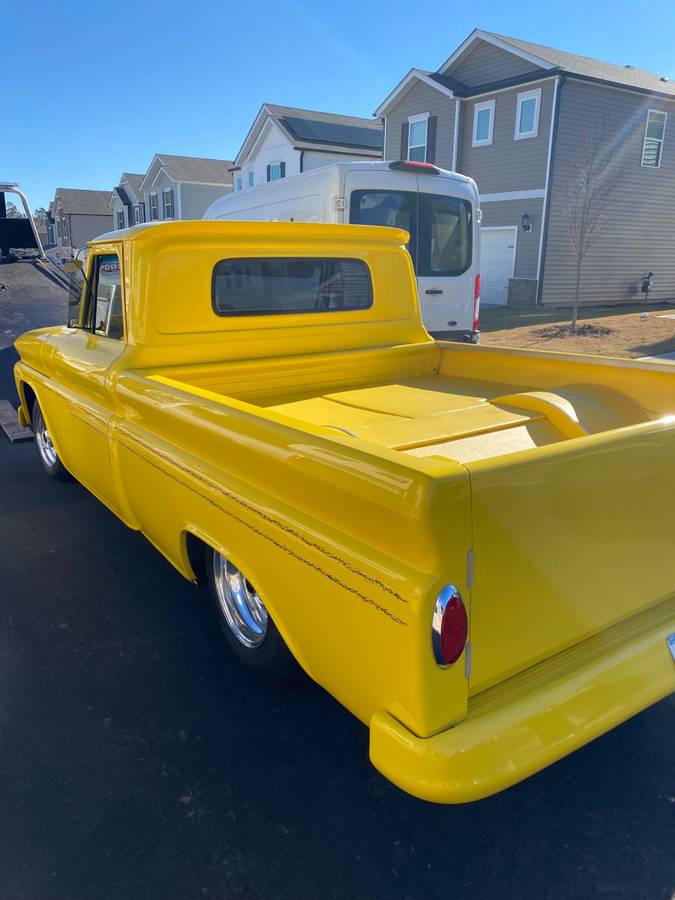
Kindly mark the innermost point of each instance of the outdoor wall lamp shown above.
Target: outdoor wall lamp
(527, 225)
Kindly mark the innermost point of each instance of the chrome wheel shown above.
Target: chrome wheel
(239, 603)
(46, 449)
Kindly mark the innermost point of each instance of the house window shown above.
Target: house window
(652, 148)
(239, 183)
(417, 138)
(276, 170)
(120, 220)
(154, 208)
(140, 213)
(167, 204)
(527, 114)
(250, 177)
(483, 122)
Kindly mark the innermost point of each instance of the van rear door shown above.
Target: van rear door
(443, 238)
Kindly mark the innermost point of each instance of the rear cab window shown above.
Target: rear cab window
(276, 286)
(440, 227)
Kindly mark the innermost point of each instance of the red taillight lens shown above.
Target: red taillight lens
(476, 301)
(449, 626)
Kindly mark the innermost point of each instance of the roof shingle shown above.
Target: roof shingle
(75, 201)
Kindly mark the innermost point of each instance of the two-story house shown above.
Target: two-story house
(77, 216)
(182, 187)
(127, 203)
(522, 119)
(285, 141)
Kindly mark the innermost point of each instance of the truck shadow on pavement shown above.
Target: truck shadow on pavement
(138, 759)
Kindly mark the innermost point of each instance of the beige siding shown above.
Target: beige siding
(486, 64)
(507, 164)
(510, 212)
(639, 232)
(196, 198)
(421, 98)
(86, 228)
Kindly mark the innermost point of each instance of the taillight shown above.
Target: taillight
(476, 301)
(449, 626)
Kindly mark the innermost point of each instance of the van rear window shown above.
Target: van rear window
(256, 287)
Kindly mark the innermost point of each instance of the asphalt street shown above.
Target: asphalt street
(138, 761)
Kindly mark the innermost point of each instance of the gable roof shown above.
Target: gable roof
(134, 181)
(545, 61)
(189, 169)
(308, 129)
(76, 202)
(626, 75)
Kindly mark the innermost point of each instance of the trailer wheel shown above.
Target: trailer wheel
(49, 458)
(247, 626)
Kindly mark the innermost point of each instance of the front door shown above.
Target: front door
(76, 403)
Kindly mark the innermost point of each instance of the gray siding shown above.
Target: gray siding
(421, 98)
(640, 223)
(196, 198)
(507, 164)
(486, 64)
(86, 228)
(510, 212)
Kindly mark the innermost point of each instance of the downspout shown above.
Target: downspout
(455, 136)
(302, 161)
(549, 179)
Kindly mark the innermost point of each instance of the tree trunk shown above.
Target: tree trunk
(575, 306)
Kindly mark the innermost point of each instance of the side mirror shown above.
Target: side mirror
(74, 265)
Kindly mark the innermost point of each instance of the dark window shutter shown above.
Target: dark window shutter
(431, 139)
(282, 166)
(269, 173)
(405, 127)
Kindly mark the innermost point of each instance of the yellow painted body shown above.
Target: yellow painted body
(352, 466)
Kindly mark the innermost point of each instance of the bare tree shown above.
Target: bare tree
(592, 190)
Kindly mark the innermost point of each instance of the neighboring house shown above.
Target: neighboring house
(126, 201)
(518, 117)
(182, 187)
(285, 141)
(78, 217)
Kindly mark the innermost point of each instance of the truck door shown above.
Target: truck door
(77, 405)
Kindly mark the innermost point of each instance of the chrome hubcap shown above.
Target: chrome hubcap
(45, 447)
(241, 606)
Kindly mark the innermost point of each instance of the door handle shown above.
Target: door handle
(434, 291)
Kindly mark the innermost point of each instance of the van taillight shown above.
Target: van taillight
(449, 626)
(476, 301)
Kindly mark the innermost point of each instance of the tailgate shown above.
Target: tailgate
(568, 540)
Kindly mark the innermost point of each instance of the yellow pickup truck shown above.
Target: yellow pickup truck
(470, 547)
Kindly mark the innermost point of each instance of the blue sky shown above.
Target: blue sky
(94, 89)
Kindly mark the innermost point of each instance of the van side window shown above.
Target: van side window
(105, 311)
(256, 287)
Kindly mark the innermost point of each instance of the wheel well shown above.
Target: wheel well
(29, 398)
(196, 550)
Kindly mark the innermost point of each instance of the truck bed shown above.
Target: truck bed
(457, 409)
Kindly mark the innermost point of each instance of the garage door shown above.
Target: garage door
(498, 257)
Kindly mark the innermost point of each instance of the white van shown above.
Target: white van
(439, 209)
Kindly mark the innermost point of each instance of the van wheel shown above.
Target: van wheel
(247, 626)
(49, 458)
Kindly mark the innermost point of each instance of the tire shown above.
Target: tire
(49, 458)
(247, 627)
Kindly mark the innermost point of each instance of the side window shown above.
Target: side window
(483, 123)
(105, 315)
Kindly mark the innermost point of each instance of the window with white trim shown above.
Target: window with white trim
(527, 115)
(655, 129)
(154, 207)
(249, 177)
(417, 138)
(275, 171)
(120, 220)
(239, 183)
(140, 213)
(483, 123)
(167, 204)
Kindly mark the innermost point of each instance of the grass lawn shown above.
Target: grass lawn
(611, 331)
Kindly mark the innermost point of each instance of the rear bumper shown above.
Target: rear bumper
(466, 337)
(515, 732)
